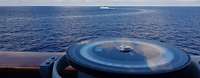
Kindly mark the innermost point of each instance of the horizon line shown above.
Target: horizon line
(100, 5)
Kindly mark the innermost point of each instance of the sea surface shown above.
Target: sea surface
(53, 29)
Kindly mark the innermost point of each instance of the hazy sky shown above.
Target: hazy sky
(99, 2)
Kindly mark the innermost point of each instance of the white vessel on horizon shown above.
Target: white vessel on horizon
(105, 7)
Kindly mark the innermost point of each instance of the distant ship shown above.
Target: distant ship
(105, 7)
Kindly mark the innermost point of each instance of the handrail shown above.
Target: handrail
(20, 63)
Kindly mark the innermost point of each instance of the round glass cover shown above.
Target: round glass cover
(127, 55)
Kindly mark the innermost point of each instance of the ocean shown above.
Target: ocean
(54, 28)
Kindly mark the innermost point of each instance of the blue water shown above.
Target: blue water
(53, 29)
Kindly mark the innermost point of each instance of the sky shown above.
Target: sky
(98, 2)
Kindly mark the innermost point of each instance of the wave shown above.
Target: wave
(139, 11)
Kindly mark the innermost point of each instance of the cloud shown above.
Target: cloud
(187, 0)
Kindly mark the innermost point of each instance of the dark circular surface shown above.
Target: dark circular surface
(127, 56)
